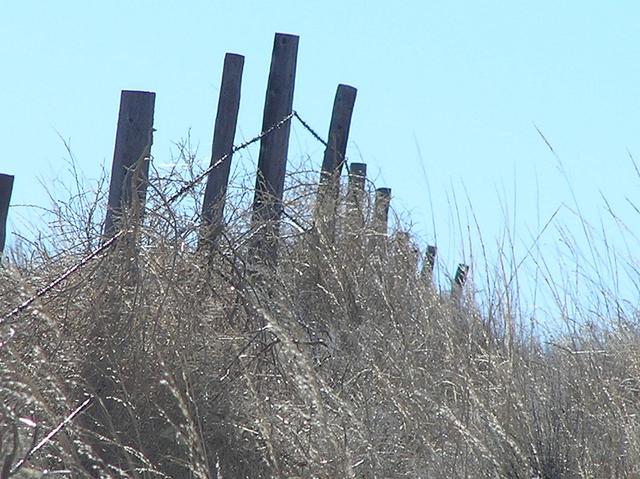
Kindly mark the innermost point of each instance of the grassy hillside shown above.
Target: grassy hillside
(341, 361)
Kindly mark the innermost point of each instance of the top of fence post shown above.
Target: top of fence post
(272, 159)
(6, 187)
(334, 154)
(357, 177)
(131, 155)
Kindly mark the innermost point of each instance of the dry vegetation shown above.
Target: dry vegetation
(340, 362)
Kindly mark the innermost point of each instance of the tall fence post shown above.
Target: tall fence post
(224, 132)
(131, 156)
(6, 187)
(272, 159)
(334, 158)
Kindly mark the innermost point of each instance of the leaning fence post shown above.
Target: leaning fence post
(334, 158)
(131, 156)
(6, 187)
(223, 135)
(272, 159)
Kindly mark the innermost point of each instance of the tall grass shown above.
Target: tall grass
(341, 361)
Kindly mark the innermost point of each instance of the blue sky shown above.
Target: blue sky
(449, 97)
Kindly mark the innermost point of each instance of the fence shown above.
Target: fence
(130, 169)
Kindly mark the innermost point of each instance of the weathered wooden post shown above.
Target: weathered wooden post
(6, 188)
(355, 196)
(224, 132)
(272, 159)
(127, 194)
(379, 221)
(334, 158)
(429, 263)
(458, 280)
(131, 156)
(381, 210)
(357, 178)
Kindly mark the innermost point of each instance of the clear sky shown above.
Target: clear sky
(449, 98)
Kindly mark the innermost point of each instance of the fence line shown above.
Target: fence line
(357, 177)
(132, 153)
(130, 170)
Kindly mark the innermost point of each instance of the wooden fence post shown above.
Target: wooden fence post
(6, 187)
(131, 156)
(334, 158)
(357, 178)
(458, 280)
(381, 210)
(223, 135)
(356, 195)
(379, 221)
(355, 200)
(429, 263)
(272, 159)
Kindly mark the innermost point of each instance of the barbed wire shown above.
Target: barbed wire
(321, 140)
(85, 404)
(177, 195)
(68, 272)
(222, 159)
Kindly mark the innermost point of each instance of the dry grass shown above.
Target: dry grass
(340, 362)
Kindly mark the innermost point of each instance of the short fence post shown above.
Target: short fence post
(334, 158)
(429, 263)
(380, 220)
(223, 135)
(381, 210)
(357, 179)
(131, 156)
(6, 187)
(459, 280)
(355, 196)
(272, 159)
